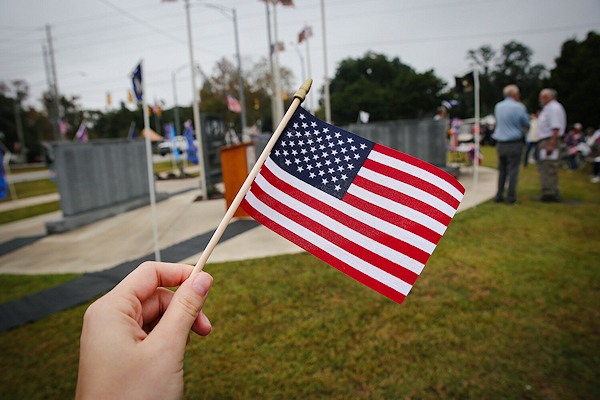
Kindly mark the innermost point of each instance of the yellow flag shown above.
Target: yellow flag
(129, 96)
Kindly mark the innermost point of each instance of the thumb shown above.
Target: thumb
(183, 310)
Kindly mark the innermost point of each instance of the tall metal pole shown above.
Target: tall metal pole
(326, 84)
(311, 97)
(177, 131)
(476, 136)
(278, 98)
(150, 165)
(55, 99)
(240, 77)
(271, 48)
(196, 108)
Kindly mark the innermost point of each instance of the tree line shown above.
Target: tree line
(386, 88)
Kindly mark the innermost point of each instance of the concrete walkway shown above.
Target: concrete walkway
(128, 236)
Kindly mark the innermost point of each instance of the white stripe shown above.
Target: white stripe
(342, 255)
(339, 228)
(416, 171)
(408, 190)
(356, 213)
(398, 209)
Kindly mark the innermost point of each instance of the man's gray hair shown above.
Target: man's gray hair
(510, 91)
(550, 93)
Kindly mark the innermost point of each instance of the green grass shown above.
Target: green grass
(27, 212)
(506, 308)
(32, 188)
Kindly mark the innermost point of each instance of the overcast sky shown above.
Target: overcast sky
(98, 42)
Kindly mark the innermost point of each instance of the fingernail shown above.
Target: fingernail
(202, 285)
(206, 320)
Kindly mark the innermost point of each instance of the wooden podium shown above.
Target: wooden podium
(236, 162)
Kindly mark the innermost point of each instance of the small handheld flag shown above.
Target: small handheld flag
(374, 213)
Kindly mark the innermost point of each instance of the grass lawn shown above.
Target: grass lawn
(32, 188)
(506, 308)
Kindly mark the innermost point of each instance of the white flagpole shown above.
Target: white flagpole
(278, 98)
(311, 98)
(150, 165)
(326, 84)
(299, 97)
(476, 136)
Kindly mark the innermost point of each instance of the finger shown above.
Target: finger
(154, 307)
(184, 309)
(144, 280)
(202, 325)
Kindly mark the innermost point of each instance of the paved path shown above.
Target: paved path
(108, 250)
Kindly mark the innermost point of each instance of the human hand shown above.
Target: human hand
(118, 357)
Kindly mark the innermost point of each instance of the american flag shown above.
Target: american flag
(233, 104)
(373, 213)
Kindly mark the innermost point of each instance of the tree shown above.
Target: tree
(512, 65)
(576, 79)
(386, 89)
(224, 82)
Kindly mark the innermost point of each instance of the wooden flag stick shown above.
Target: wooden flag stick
(298, 98)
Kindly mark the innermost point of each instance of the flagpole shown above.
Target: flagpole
(150, 165)
(476, 136)
(278, 98)
(311, 99)
(299, 97)
(196, 108)
(326, 84)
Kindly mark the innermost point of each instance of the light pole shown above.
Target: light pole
(177, 122)
(196, 108)
(233, 16)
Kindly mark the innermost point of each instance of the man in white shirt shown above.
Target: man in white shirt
(551, 126)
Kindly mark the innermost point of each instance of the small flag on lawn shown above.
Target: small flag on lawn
(192, 154)
(374, 213)
(233, 104)
(3, 185)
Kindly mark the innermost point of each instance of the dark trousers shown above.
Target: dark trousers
(509, 160)
(548, 175)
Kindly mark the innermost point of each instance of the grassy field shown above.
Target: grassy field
(508, 307)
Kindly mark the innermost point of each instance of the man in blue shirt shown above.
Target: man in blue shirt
(511, 121)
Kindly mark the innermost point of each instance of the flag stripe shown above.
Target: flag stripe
(361, 277)
(340, 256)
(384, 238)
(389, 260)
(418, 168)
(405, 198)
(413, 234)
(414, 181)
(398, 220)
(397, 208)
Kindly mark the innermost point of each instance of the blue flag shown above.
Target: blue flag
(192, 151)
(3, 186)
(136, 78)
(171, 133)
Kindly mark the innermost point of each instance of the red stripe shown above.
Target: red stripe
(403, 199)
(413, 181)
(324, 256)
(385, 239)
(419, 164)
(340, 241)
(393, 218)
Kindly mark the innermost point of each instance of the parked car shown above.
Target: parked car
(166, 147)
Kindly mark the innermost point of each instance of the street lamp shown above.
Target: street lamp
(177, 122)
(231, 14)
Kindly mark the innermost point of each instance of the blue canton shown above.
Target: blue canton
(320, 154)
